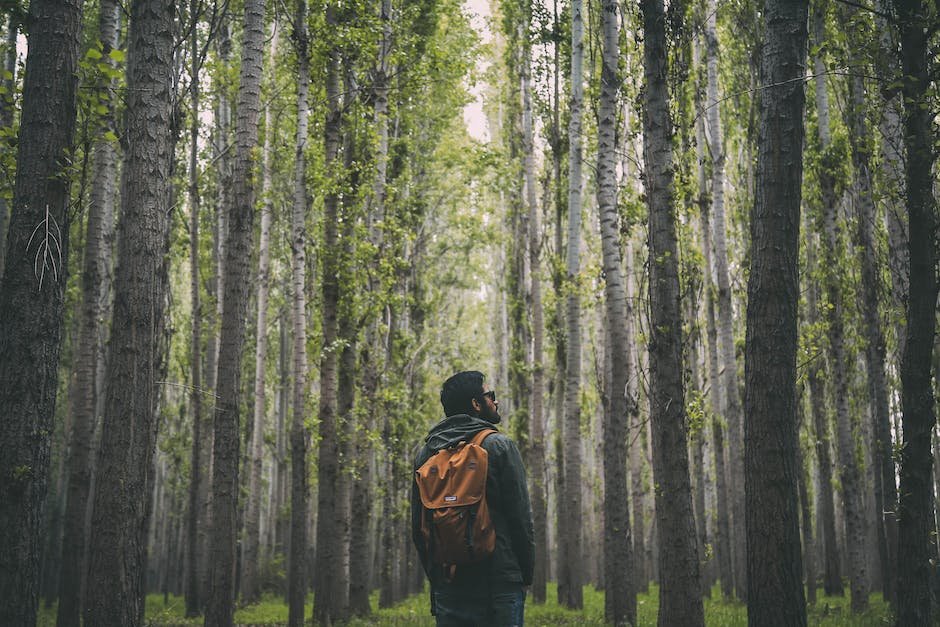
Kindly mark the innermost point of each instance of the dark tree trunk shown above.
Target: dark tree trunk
(680, 600)
(917, 396)
(325, 606)
(775, 572)
(96, 274)
(31, 298)
(225, 446)
(619, 594)
(124, 475)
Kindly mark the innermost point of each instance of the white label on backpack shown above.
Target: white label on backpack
(450, 498)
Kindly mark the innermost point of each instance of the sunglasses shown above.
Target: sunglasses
(490, 395)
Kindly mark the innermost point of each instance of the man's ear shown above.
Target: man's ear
(475, 404)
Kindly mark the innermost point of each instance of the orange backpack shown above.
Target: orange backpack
(456, 523)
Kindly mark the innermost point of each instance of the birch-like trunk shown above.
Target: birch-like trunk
(225, 446)
(95, 307)
(124, 483)
(571, 566)
(250, 591)
(619, 594)
(917, 394)
(774, 563)
(299, 436)
(536, 461)
(850, 475)
(723, 549)
(885, 491)
(731, 409)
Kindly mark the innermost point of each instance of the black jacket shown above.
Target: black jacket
(507, 496)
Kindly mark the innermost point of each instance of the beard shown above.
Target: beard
(491, 416)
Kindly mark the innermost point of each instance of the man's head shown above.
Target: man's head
(464, 393)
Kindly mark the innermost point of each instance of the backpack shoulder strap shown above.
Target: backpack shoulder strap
(482, 435)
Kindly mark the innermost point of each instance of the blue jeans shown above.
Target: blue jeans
(498, 609)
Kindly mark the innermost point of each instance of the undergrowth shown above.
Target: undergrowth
(413, 612)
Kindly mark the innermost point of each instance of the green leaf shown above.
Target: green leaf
(93, 53)
(117, 55)
(111, 136)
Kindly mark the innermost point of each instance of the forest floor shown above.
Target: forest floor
(827, 612)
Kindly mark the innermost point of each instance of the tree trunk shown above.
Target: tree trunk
(806, 521)
(299, 436)
(96, 291)
(885, 492)
(723, 549)
(619, 595)
(729, 372)
(775, 571)
(250, 589)
(680, 600)
(536, 461)
(917, 395)
(850, 475)
(571, 566)
(124, 478)
(225, 446)
(325, 607)
(198, 463)
(32, 297)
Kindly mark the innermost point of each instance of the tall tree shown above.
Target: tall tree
(325, 609)
(96, 275)
(680, 600)
(198, 463)
(6, 116)
(917, 396)
(570, 563)
(850, 475)
(250, 590)
(729, 366)
(619, 594)
(124, 476)
(32, 295)
(869, 300)
(299, 436)
(536, 448)
(775, 586)
(225, 446)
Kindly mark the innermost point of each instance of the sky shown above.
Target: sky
(473, 115)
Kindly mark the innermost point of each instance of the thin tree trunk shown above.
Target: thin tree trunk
(619, 595)
(124, 479)
(775, 571)
(571, 565)
(536, 461)
(32, 298)
(729, 372)
(96, 290)
(917, 395)
(225, 446)
(680, 600)
(885, 492)
(850, 475)
(299, 436)
(325, 606)
(806, 521)
(250, 589)
(198, 463)
(723, 549)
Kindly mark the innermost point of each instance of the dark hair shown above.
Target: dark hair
(459, 390)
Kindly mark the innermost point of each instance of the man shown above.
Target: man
(489, 593)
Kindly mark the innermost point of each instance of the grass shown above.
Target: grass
(413, 612)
